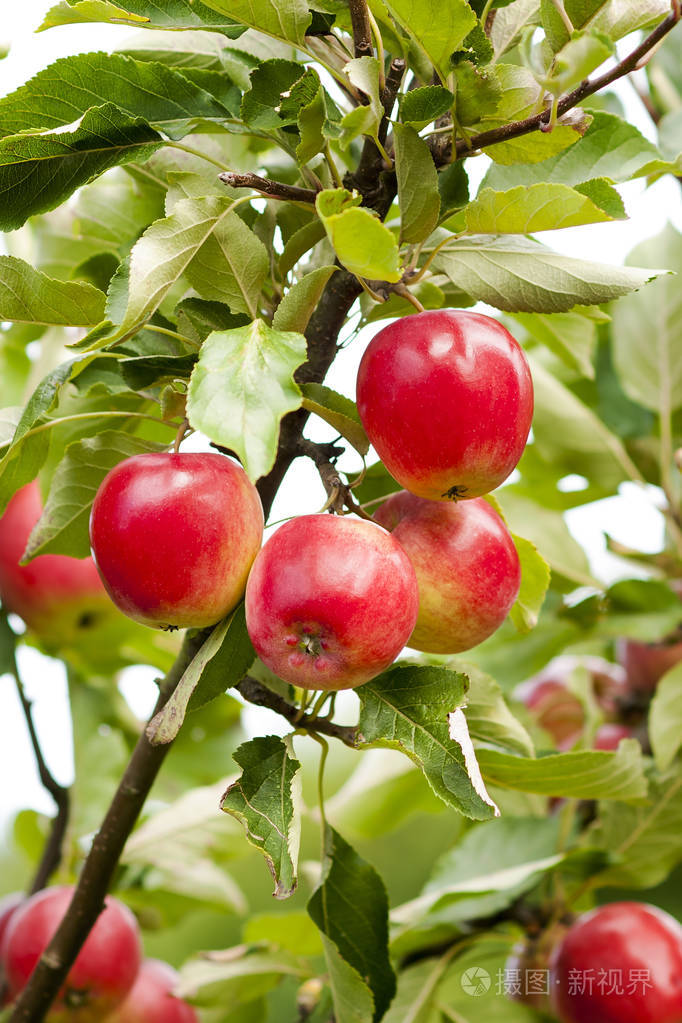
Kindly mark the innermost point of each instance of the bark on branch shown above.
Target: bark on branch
(362, 31)
(255, 692)
(274, 189)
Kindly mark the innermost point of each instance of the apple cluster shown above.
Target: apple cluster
(109, 982)
(618, 963)
(446, 398)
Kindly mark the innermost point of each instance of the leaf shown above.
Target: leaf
(529, 208)
(192, 49)
(520, 275)
(236, 978)
(222, 661)
(63, 92)
(651, 373)
(300, 301)
(29, 296)
(665, 722)
(417, 987)
(437, 29)
(420, 107)
(38, 172)
(363, 73)
(417, 185)
(199, 317)
(301, 242)
(584, 775)
(63, 526)
(142, 371)
(241, 387)
(489, 717)
(351, 910)
(535, 573)
(510, 22)
(407, 708)
(571, 336)
(272, 80)
(340, 412)
(363, 244)
(171, 14)
(283, 19)
(265, 800)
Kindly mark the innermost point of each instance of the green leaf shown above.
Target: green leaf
(142, 371)
(363, 244)
(529, 208)
(237, 980)
(408, 708)
(299, 243)
(190, 49)
(198, 318)
(520, 275)
(489, 718)
(665, 719)
(38, 172)
(310, 121)
(363, 73)
(221, 662)
(29, 296)
(535, 573)
(63, 526)
(340, 412)
(576, 60)
(651, 373)
(417, 185)
(477, 93)
(64, 91)
(510, 23)
(300, 301)
(437, 29)
(351, 910)
(271, 81)
(420, 107)
(415, 997)
(241, 387)
(171, 14)
(265, 800)
(589, 775)
(283, 19)
(571, 336)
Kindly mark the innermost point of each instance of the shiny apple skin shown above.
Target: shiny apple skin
(646, 663)
(621, 936)
(105, 968)
(446, 398)
(57, 596)
(468, 571)
(174, 537)
(7, 906)
(331, 601)
(150, 999)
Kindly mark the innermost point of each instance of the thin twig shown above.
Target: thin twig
(273, 189)
(362, 31)
(259, 695)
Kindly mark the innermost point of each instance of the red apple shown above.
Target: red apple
(553, 705)
(468, 571)
(446, 398)
(608, 736)
(59, 598)
(646, 663)
(174, 537)
(105, 968)
(7, 906)
(621, 963)
(151, 999)
(330, 602)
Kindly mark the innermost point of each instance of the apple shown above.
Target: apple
(526, 973)
(646, 663)
(468, 571)
(59, 598)
(331, 601)
(446, 398)
(105, 968)
(553, 705)
(174, 536)
(608, 736)
(7, 906)
(151, 998)
(621, 963)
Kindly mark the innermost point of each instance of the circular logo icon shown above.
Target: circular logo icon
(475, 981)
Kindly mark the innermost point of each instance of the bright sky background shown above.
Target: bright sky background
(631, 517)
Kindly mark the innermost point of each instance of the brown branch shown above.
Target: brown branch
(101, 862)
(368, 178)
(587, 88)
(362, 31)
(273, 189)
(255, 692)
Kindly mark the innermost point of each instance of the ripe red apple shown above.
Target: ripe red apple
(553, 705)
(59, 598)
(446, 398)
(105, 968)
(174, 537)
(331, 601)
(7, 906)
(608, 736)
(646, 663)
(621, 963)
(468, 571)
(151, 1000)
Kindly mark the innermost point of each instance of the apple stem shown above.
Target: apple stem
(180, 435)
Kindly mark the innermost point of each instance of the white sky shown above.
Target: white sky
(629, 517)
